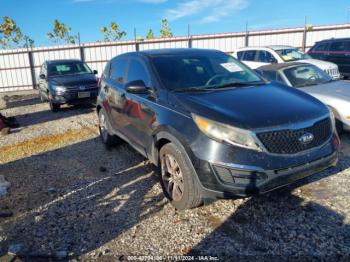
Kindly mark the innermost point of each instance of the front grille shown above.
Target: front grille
(288, 141)
(333, 72)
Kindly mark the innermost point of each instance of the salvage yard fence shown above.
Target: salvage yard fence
(19, 68)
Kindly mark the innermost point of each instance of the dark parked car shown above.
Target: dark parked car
(334, 50)
(67, 82)
(314, 81)
(213, 126)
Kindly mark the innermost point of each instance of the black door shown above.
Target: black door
(140, 108)
(340, 55)
(115, 94)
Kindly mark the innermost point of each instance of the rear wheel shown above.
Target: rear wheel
(177, 178)
(108, 139)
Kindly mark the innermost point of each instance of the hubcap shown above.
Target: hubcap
(172, 177)
(103, 129)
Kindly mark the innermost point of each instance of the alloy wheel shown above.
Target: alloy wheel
(172, 177)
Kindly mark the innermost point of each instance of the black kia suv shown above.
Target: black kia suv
(213, 126)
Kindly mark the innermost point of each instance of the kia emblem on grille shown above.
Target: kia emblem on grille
(306, 138)
(81, 87)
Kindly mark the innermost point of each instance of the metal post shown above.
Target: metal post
(304, 36)
(189, 36)
(81, 49)
(246, 42)
(137, 46)
(32, 68)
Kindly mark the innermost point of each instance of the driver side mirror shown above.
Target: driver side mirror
(95, 72)
(137, 87)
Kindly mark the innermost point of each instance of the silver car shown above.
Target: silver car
(312, 80)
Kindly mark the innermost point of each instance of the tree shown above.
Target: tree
(113, 33)
(61, 34)
(11, 35)
(150, 34)
(165, 31)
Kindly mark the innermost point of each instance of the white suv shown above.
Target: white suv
(255, 57)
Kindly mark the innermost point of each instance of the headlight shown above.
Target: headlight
(222, 132)
(60, 89)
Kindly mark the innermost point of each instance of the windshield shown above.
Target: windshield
(292, 54)
(306, 75)
(68, 68)
(205, 70)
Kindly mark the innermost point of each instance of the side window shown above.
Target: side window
(340, 46)
(137, 71)
(107, 71)
(270, 75)
(321, 47)
(279, 78)
(265, 57)
(118, 70)
(249, 55)
(240, 55)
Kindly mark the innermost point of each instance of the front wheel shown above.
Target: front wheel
(177, 179)
(53, 106)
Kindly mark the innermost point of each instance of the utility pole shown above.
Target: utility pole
(246, 34)
(189, 36)
(304, 35)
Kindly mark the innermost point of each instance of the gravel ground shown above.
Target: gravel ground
(70, 197)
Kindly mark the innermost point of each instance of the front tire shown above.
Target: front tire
(177, 179)
(53, 106)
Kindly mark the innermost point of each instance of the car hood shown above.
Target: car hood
(338, 89)
(319, 63)
(253, 107)
(74, 80)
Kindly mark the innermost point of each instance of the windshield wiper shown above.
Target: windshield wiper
(218, 87)
(236, 84)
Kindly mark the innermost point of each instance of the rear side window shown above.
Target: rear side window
(107, 71)
(266, 57)
(321, 47)
(118, 70)
(137, 71)
(340, 46)
(249, 55)
(240, 55)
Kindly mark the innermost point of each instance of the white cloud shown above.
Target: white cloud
(213, 10)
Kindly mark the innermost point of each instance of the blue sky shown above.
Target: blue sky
(35, 17)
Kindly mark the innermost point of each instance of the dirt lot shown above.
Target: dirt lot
(70, 197)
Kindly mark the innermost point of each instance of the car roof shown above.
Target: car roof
(273, 47)
(62, 61)
(334, 39)
(169, 51)
(276, 67)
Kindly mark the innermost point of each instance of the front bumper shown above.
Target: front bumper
(227, 180)
(73, 97)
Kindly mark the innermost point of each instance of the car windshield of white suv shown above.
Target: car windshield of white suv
(306, 75)
(68, 68)
(203, 71)
(292, 54)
